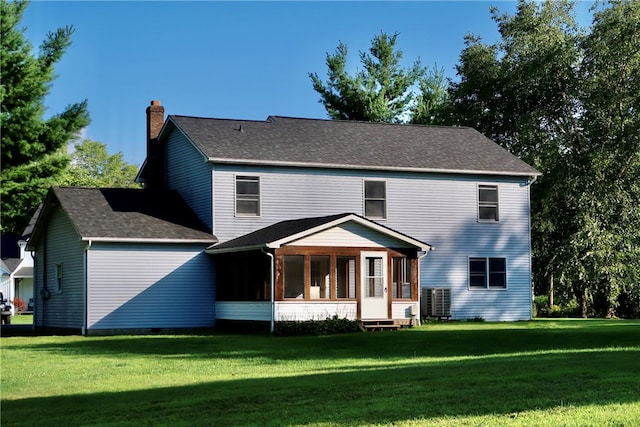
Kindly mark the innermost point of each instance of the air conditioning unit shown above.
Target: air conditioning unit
(436, 302)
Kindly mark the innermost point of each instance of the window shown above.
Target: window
(488, 203)
(58, 278)
(375, 199)
(294, 276)
(247, 196)
(346, 276)
(373, 277)
(320, 277)
(401, 278)
(488, 273)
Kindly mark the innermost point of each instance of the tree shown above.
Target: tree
(92, 166)
(33, 149)
(566, 101)
(383, 91)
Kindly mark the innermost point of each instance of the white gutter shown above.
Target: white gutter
(256, 162)
(273, 290)
(145, 240)
(85, 290)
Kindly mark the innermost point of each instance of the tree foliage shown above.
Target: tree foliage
(33, 149)
(566, 100)
(383, 90)
(92, 166)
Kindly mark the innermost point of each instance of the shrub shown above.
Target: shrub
(329, 326)
(541, 306)
(19, 305)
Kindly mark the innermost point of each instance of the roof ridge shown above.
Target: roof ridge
(453, 127)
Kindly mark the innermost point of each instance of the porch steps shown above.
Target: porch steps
(385, 324)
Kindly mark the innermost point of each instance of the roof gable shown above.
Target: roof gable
(299, 142)
(125, 215)
(287, 232)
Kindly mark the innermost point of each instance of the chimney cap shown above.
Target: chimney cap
(155, 102)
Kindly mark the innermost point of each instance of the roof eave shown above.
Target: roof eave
(257, 162)
(147, 240)
(213, 250)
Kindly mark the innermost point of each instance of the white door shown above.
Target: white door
(373, 287)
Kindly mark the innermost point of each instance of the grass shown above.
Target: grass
(540, 373)
(22, 319)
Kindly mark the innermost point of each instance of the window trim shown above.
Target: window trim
(487, 274)
(365, 199)
(481, 203)
(254, 178)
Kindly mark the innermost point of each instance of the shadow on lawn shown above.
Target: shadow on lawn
(473, 340)
(369, 395)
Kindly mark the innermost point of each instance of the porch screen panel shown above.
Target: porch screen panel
(401, 275)
(294, 276)
(374, 280)
(320, 277)
(346, 276)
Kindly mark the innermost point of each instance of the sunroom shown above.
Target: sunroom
(309, 269)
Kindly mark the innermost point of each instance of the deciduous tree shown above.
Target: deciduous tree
(566, 100)
(92, 166)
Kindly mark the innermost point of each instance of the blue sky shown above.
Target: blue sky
(244, 60)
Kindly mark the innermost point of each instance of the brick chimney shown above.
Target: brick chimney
(154, 174)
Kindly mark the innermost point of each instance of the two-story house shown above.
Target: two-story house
(290, 219)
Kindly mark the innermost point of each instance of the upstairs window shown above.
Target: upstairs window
(375, 199)
(488, 203)
(247, 196)
(487, 273)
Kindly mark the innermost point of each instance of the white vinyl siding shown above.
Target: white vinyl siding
(139, 286)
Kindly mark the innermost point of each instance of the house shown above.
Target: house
(290, 219)
(17, 269)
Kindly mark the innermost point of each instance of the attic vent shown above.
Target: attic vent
(436, 302)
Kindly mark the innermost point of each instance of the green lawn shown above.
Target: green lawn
(22, 319)
(540, 373)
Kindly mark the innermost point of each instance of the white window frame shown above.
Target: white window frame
(488, 204)
(487, 274)
(236, 198)
(365, 199)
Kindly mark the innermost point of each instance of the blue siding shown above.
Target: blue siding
(140, 286)
(438, 209)
(64, 309)
(189, 173)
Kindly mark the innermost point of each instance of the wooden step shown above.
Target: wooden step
(385, 324)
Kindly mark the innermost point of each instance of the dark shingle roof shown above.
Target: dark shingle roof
(277, 231)
(350, 144)
(130, 214)
(289, 229)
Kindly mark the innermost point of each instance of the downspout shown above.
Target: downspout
(531, 181)
(431, 248)
(273, 289)
(85, 288)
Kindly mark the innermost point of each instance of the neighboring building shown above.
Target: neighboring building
(344, 218)
(17, 270)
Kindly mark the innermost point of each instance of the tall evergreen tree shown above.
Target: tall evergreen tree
(382, 91)
(33, 149)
